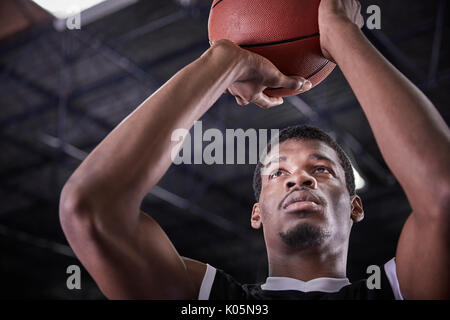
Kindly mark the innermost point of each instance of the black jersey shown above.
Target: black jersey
(218, 285)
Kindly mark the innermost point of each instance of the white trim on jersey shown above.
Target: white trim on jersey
(390, 268)
(208, 279)
(319, 284)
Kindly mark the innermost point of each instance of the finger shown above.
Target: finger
(294, 83)
(241, 101)
(361, 22)
(305, 84)
(264, 101)
(359, 18)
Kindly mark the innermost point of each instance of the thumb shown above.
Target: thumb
(295, 83)
(298, 83)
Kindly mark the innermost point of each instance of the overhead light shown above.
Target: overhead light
(360, 183)
(64, 9)
(72, 14)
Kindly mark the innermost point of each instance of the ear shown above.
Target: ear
(357, 209)
(256, 216)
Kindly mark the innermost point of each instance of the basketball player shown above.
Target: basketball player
(306, 202)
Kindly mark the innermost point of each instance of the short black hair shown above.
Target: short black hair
(303, 132)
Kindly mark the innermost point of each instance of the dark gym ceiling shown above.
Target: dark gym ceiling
(62, 92)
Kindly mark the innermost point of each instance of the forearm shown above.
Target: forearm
(412, 136)
(137, 153)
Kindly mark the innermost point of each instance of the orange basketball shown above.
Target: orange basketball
(284, 31)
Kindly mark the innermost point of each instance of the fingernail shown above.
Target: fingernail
(307, 85)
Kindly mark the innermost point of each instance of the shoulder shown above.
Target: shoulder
(196, 271)
(219, 285)
(382, 284)
(211, 283)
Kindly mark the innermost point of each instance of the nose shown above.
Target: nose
(301, 179)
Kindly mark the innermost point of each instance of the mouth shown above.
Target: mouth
(301, 199)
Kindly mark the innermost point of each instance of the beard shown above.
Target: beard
(304, 235)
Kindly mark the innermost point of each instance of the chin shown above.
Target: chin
(304, 235)
(305, 223)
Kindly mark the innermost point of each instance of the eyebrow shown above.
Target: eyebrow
(317, 156)
(314, 156)
(279, 159)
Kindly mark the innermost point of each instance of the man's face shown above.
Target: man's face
(304, 200)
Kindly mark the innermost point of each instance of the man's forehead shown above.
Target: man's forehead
(294, 148)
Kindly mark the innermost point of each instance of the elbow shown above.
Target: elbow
(75, 212)
(442, 208)
(84, 213)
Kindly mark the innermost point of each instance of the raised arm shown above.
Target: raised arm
(414, 141)
(125, 250)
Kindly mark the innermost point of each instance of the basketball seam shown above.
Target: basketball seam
(318, 70)
(217, 3)
(279, 42)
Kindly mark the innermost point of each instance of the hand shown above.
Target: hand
(256, 74)
(332, 15)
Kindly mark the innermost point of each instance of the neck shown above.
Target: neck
(307, 264)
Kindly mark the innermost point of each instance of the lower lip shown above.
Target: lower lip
(302, 206)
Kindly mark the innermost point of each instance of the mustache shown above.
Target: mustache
(322, 199)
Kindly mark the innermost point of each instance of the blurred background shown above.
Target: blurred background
(63, 89)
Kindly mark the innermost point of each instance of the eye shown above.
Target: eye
(322, 170)
(275, 174)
